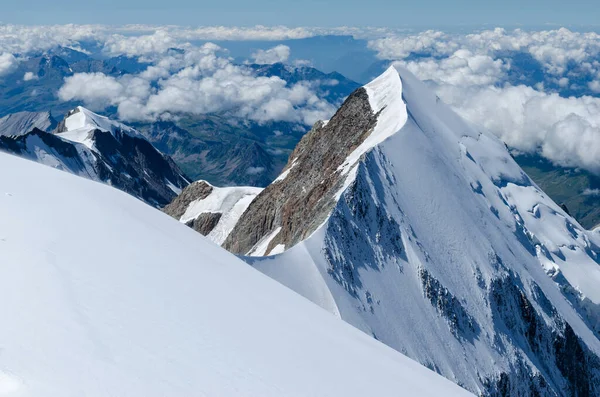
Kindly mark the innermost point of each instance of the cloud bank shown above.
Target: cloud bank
(563, 130)
(481, 75)
(8, 63)
(197, 81)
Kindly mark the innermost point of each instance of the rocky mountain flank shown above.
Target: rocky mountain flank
(300, 200)
(210, 210)
(23, 122)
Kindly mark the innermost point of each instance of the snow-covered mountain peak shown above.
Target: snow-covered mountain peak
(80, 122)
(385, 97)
(95, 147)
(420, 229)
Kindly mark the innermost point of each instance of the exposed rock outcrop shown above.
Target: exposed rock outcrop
(198, 190)
(303, 196)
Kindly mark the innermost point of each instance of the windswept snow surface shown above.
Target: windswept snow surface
(23, 122)
(105, 296)
(444, 249)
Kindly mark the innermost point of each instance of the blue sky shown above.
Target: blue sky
(415, 13)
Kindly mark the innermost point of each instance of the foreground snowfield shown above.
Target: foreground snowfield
(103, 295)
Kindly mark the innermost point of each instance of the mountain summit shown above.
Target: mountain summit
(421, 230)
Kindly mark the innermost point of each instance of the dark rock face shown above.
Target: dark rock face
(135, 166)
(195, 191)
(560, 355)
(462, 324)
(302, 201)
(205, 222)
(359, 230)
(19, 145)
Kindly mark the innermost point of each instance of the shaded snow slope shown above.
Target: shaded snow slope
(440, 246)
(97, 148)
(104, 295)
(22, 122)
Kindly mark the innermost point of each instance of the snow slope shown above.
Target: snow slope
(22, 122)
(210, 210)
(442, 247)
(103, 295)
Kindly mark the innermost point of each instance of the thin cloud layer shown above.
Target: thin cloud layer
(554, 49)
(23, 40)
(143, 39)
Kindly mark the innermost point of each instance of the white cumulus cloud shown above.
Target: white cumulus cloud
(563, 130)
(198, 81)
(8, 63)
(28, 76)
(279, 53)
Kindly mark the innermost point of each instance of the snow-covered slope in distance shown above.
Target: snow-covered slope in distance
(95, 147)
(438, 244)
(127, 301)
(23, 122)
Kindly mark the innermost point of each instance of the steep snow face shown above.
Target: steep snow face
(23, 122)
(79, 124)
(441, 247)
(211, 210)
(97, 148)
(127, 301)
(385, 98)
